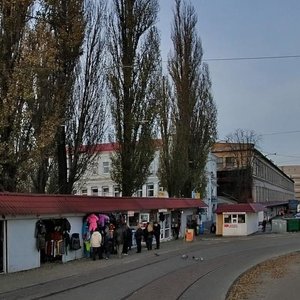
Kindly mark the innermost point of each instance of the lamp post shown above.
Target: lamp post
(209, 194)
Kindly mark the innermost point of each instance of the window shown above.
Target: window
(234, 219)
(105, 167)
(220, 162)
(227, 218)
(139, 192)
(105, 191)
(116, 191)
(241, 218)
(229, 161)
(84, 192)
(94, 191)
(150, 190)
(144, 218)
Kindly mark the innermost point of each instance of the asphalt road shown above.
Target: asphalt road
(176, 271)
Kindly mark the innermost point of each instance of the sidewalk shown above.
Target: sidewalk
(57, 270)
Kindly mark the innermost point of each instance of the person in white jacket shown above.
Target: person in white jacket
(96, 244)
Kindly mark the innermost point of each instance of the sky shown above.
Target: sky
(262, 95)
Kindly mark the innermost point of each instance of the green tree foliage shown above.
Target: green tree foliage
(132, 77)
(50, 99)
(66, 22)
(194, 110)
(14, 130)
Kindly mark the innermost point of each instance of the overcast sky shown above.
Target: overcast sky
(256, 94)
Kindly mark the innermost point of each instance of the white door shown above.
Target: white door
(166, 227)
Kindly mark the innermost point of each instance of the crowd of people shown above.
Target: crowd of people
(103, 241)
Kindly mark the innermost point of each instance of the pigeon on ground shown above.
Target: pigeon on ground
(198, 258)
(156, 254)
(184, 256)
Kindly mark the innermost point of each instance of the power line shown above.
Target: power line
(252, 58)
(166, 61)
(283, 155)
(280, 132)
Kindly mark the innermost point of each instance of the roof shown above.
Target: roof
(109, 147)
(240, 207)
(274, 203)
(36, 204)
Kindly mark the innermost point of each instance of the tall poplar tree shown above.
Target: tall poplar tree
(13, 135)
(194, 108)
(132, 77)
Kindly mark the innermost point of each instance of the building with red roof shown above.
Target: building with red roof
(239, 219)
(39, 227)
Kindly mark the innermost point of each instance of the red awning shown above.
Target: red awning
(36, 204)
(241, 207)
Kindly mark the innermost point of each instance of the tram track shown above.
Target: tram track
(71, 282)
(168, 266)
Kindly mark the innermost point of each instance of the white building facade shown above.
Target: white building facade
(97, 181)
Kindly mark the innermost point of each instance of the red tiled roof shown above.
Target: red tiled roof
(240, 207)
(110, 147)
(36, 204)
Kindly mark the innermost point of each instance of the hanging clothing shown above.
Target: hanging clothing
(92, 221)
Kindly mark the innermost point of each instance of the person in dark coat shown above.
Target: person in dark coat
(264, 224)
(127, 239)
(138, 238)
(156, 230)
(119, 235)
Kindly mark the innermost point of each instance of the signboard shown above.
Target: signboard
(230, 225)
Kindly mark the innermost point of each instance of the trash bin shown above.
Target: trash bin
(279, 226)
(189, 235)
(292, 225)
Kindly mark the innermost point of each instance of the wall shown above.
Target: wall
(219, 224)
(236, 229)
(252, 220)
(21, 245)
(294, 172)
(76, 227)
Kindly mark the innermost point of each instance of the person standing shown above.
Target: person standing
(108, 243)
(96, 241)
(149, 236)
(264, 224)
(145, 235)
(138, 238)
(127, 239)
(119, 239)
(156, 230)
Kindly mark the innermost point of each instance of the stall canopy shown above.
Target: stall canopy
(240, 207)
(39, 204)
